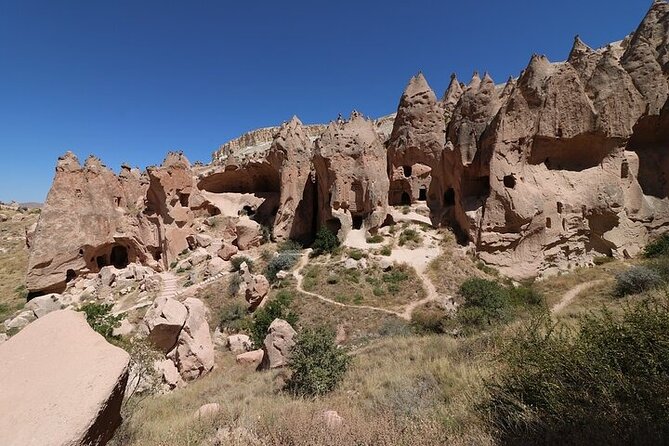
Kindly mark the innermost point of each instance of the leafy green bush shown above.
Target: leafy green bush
(285, 260)
(387, 250)
(525, 295)
(356, 254)
(605, 382)
(233, 318)
(316, 363)
(636, 280)
(485, 302)
(276, 308)
(429, 320)
(238, 260)
(326, 241)
(100, 319)
(658, 247)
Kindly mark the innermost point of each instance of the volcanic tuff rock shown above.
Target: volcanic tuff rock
(560, 165)
(76, 403)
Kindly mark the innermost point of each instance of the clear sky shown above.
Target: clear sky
(130, 80)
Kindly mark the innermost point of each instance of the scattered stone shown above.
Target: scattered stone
(385, 264)
(194, 353)
(198, 256)
(227, 251)
(254, 357)
(239, 343)
(125, 329)
(169, 373)
(331, 419)
(203, 240)
(282, 275)
(257, 289)
(79, 403)
(42, 305)
(207, 410)
(249, 234)
(20, 321)
(350, 263)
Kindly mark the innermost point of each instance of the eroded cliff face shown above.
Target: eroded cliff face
(565, 163)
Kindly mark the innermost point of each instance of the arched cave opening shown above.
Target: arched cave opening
(509, 181)
(357, 221)
(405, 200)
(407, 170)
(119, 256)
(70, 275)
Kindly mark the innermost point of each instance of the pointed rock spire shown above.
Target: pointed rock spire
(453, 92)
(579, 49)
(475, 82)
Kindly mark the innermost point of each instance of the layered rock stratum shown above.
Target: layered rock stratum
(563, 164)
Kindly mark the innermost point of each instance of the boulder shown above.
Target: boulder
(385, 264)
(207, 410)
(254, 357)
(281, 275)
(164, 321)
(203, 240)
(43, 305)
(20, 321)
(227, 251)
(61, 383)
(239, 343)
(215, 266)
(169, 373)
(194, 353)
(350, 264)
(249, 234)
(277, 345)
(257, 289)
(198, 256)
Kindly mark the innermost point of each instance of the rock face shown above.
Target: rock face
(164, 321)
(545, 172)
(194, 353)
(44, 405)
(277, 345)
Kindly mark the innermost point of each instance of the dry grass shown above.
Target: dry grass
(372, 286)
(13, 262)
(421, 392)
(452, 267)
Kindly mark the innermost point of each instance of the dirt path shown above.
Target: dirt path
(432, 294)
(571, 294)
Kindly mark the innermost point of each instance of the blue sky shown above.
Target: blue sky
(130, 80)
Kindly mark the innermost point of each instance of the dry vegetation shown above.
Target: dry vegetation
(13, 260)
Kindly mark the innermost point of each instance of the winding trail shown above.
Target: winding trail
(432, 294)
(571, 294)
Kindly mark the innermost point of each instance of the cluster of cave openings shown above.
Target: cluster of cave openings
(118, 257)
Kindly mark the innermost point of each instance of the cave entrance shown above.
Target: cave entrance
(357, 221)
(101, 261)
(405, 200)
(119, 256)
(407, 171)
(422, 194)
(449, 197)
(70, 275)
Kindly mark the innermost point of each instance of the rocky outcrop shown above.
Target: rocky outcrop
(277, 345)
(194, 352)
(57, 411)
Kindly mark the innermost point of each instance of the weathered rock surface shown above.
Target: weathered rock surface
(61, 383)
(164, 321)
(277, 345)
(194, 353)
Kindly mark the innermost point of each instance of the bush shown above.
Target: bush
(429, 320)
(238, 260)
(100, 319)
(604, 382)
(289, 245)
(356, 254)
(661, 266)
(387, 250)
(326, 241)
(658, 247)
(233, 318)
(485, 302)
(636, 280)
(316, 363)
(284, 261)
(409, 235)
(525, 295)
(276, 308)
(376, 238)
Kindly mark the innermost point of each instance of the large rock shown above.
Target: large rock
(194, 353)
(43, 305)
(249, 234)
(227, 251)
(61, 383)
(257, 289)
(277, 345)
(164, 321)
(239, 343)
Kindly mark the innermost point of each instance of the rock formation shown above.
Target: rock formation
(77, 402)
(547, 171)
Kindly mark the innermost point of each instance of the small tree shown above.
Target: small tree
(317, 364)
(283, 261)
(485, 302)
(277, 308)
(636, 280)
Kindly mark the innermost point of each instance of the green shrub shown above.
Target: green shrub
(525, 295)
(605, 382)
(326, 241)
(233, 318)
(285, 260)
(356, 254)
(238, 260)
(100, 319)
(406, 210)
(636, 280)
(658, 247)
(395, 276)
(376, 238)
(661, 266)
(266, 254)
(387, 250)
(485, 302)
(21, 292)
(276, 308)
(316, 363)
(409, 235)
(602, 260)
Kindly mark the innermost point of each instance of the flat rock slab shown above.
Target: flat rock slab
(61, 384)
